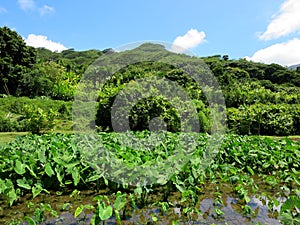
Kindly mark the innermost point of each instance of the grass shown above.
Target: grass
(6, 137)
(292, 137)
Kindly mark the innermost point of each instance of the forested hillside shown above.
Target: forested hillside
(260, 98)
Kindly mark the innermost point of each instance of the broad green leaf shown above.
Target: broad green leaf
(48, 208)
(78, 211)
(290, 204)
(247, 199)
(105, 213)
(30, 221)
(288, 219)
(36, 190)
(2, 186)
(59, 176)
(80, 208)
(98, 198)
(23, 184)
(38, 215)
(117, 215)
(93, 220)
(93, 178)
(19, 167)
(75, 176)
(138, 190)
(120, 201)
(48, 169)
(31, 171)
(75, 192)
(154, 218)
(250, 170)
(12, 196)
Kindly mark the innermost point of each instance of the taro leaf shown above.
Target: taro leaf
(2, 186)
(290, 204)
(48, 208)
(75, 192)
(19, 167)
(23, 183)
(72, 165)
(105, 212)
(30, 221)
(42, 155)
(247, 199)
(288, 219)
(75, 176)
(191, 180)
(59, 161)
(180, 187)
(31, 171)
(59, 176)
(297, 179)
(38, 215)
(154, 218)
(117, 215)
(105, 181)
(48, 169)
(78, 211)
(93, 178)
(132, 200)
(80, 208)
(250, 170)
(95, 220)
(138, 191)
(36, 190)
(12, 196)
(98, 198)
(120, 201)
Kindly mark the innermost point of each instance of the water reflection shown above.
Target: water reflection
(232, 214)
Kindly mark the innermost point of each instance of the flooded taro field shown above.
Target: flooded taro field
(261, 209)
(251, 180)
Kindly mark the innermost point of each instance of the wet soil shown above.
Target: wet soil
(231, 207)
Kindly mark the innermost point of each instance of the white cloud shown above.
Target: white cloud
(29, 5)
(46, 9)
(190, 40)
(26, 4)
(40, 41)
(286, 53)
(2, 10)
(285, 22)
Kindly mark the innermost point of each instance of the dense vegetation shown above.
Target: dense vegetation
(260, 99)
(244, 167)
(38, 89)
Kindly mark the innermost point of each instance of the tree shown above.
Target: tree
(15, 60)
(225, 57)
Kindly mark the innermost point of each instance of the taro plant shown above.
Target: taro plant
(40, 213)
(119, 204)
(290, 211)
(103, 210)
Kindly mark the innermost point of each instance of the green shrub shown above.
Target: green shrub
(264, 119)
(38, 120)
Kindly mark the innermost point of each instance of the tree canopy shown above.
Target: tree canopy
(15, 60)
(256, 94)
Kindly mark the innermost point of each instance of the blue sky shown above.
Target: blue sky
(262, 30)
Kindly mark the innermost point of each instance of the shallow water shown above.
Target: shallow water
(231, 207)
(143, 216)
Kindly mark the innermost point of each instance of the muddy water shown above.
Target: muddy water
(233, 213)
